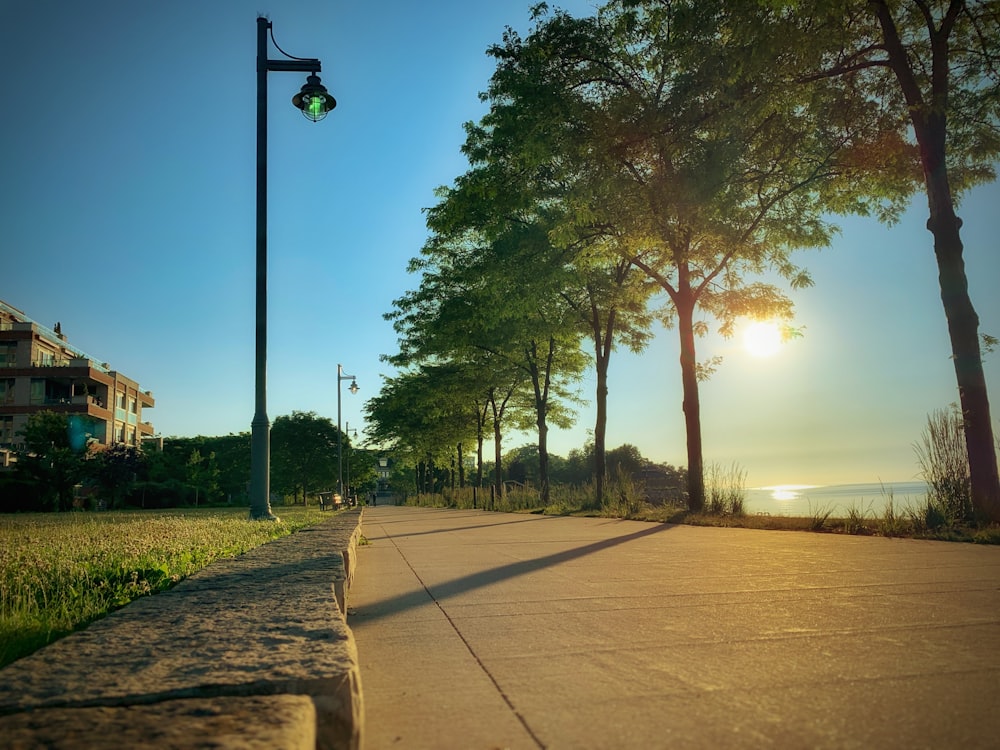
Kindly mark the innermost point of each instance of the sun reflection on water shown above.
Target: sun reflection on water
(787, 492)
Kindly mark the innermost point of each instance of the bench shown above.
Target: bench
(330, 501)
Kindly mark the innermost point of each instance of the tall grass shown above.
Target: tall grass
(944, 465)
(61, 571)
(856, 521)
(725, 490)
(623, 498)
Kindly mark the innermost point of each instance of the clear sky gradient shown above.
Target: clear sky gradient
(127, 167)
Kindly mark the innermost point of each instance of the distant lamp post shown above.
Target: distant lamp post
(315, 102)
(350, 434)
(342, 376)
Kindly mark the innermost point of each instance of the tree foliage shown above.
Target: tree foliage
(656, 132)
(53, 459)
(304, 454)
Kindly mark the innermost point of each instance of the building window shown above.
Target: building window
(119, 432)
(46, 358)
(6, 390)
(6, 429)
(131, 405)
(8, 354)
(120, 400)
(130, 436)
(37, 396)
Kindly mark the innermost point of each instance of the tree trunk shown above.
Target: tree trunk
(602, 357)
(497, 451)
(963, 329)
(461, 467)
(480, 438)
(930, 125)
(692, 404)
(540, 381)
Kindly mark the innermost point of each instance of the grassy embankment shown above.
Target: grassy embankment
(60, 571)
(724, 508)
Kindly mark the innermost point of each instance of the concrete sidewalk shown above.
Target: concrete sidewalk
(486, 630)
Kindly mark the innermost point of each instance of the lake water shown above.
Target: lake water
(806, 501)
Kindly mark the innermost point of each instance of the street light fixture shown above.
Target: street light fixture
(341, 376)
(315, 102)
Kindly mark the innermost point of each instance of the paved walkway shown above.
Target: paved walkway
(487, 630)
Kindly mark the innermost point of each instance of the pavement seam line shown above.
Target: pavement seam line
(468, 646)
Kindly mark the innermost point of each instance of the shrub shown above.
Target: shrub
(855, 521)
(819, 517)
(944, 464)
(725, 490)
(623, 499)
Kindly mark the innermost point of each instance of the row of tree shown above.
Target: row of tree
(53, 469)
(521, 467)
(650, 163)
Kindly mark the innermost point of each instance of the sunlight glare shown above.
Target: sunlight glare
(762, 338)
(787, 491)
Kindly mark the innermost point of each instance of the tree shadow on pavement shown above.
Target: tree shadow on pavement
(456, 586)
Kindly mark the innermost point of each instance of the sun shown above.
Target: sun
(762, 338)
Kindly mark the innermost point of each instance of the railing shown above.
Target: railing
(52, 401)
(61, 362)
(89, 400)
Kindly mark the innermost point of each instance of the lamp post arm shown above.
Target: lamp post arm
(295, 66)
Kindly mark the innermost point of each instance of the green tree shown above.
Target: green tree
(677, 144)
(490, 299)
(52, 460)
(936, 64)
(604, 293)
(202, 474)
(303, 454)
(626, 459)
(114, 469)
(426, 413)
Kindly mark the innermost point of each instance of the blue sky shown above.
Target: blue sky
(128, 163)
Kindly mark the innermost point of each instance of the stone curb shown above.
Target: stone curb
(249, 652)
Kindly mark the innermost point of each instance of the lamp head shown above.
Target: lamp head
(314, 100)
(354, 387)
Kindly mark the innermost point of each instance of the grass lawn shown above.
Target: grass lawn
(60, 571)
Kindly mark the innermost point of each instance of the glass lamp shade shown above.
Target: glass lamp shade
(314, 100)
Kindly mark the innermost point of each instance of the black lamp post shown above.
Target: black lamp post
(341, 376)
(315, 102)
(350, 434)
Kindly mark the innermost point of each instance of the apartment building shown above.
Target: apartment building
(41, 371)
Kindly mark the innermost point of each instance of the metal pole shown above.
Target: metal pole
(260, 448)
(340, 441)
(260, 428)
(341, 376)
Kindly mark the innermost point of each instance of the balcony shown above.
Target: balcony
(88, 400)
(69, 362)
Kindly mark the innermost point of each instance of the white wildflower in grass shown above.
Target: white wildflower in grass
(59, 571)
